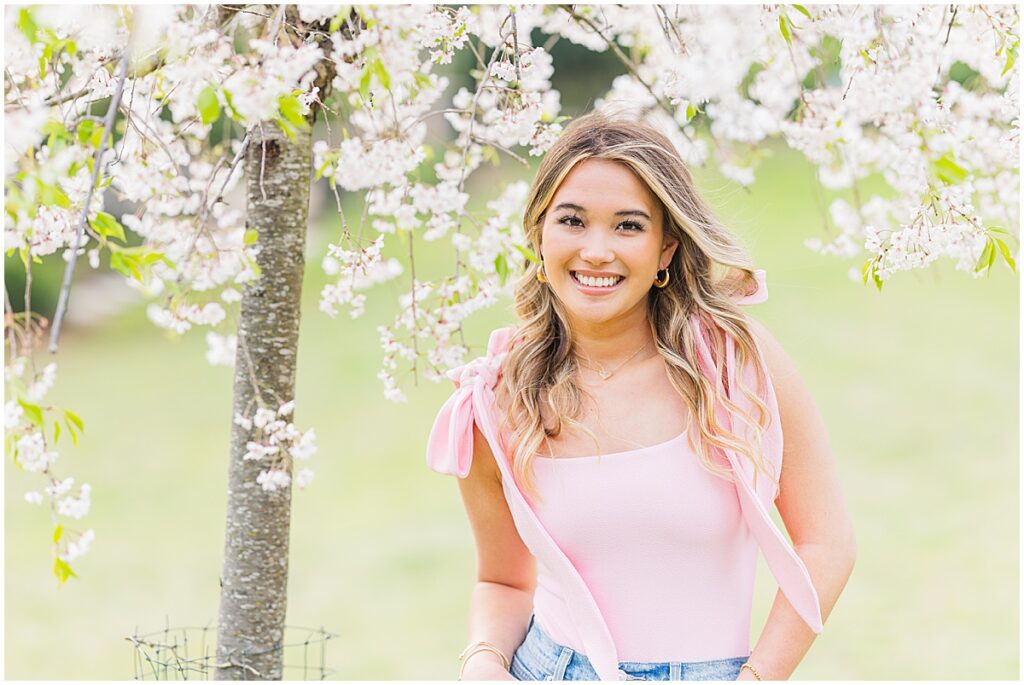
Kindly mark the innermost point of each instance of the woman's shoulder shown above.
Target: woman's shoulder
(452, 439)
(485, 368)
(776, 360)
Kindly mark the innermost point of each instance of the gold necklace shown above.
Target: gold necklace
(605, 375)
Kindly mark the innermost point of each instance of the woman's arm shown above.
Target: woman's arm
(813, 510)
(502, 598)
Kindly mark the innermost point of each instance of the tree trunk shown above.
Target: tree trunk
(254, 581)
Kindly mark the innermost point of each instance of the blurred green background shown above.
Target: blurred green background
(918, 386)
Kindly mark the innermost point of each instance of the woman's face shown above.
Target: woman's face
(604, 224)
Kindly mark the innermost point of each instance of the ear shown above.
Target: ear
(667, 252)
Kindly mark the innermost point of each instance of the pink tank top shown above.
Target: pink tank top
(662, 545)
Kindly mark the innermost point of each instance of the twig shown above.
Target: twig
(469, 131)
(108, 128)
(76, 94)
(12, 334)
(949, 29)
(155, 139)
(412, 294)
(666, 24)
(628, 63)
(231, 664)
(208, 207)
(515, 45)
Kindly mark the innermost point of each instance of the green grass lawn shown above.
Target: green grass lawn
(918, 386)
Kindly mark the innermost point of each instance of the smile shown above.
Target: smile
(589, 284)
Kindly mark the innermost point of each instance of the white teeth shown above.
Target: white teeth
(597, 282)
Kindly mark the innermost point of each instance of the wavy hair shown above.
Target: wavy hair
(708, 269)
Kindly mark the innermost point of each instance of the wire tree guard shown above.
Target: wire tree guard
(190, 653)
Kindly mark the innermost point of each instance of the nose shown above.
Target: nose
(596, 248)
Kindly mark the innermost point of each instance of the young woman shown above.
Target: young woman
(619, 450)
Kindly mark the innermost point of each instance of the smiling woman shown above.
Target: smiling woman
(637, 561)
(601, 248)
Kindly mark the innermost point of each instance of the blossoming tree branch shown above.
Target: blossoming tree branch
(170, 108)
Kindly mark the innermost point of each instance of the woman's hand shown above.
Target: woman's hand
(484, 666)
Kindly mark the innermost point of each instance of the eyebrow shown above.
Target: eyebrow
(624, 212)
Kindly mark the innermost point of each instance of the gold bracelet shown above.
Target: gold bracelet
(481, 646)
(751, 668)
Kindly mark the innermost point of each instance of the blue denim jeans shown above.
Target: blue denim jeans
(541, 658)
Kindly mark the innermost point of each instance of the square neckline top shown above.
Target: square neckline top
(649, 448)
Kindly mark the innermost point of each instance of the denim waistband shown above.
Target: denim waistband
(541, 651)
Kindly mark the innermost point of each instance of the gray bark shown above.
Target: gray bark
(254, 581)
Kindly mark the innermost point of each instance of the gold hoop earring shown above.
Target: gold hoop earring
(658, 283)
(540, 274)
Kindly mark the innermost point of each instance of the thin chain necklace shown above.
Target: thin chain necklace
(605, 375)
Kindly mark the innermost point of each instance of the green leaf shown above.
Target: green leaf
(54, 129)
(108, 227)
(382, 74)
(84, 130)
(117, 263)
(57, 532)
(987, 256)
(290, 109)
(1004, 249)
(232, 112)
(422, 80)
(56, 432)
(946, 168)
(784, 28)
(62, 570)
(865, 270)
(1011, 57)
(527, 253)
(802, 10)
(75, 419)
(51, 194)
(489, 154)
(208, 104)
(71, 431)
(251, 236)
(33, 412)
(501, 268)
(691, 111)
(27, 25)
(286, 128)
(364, 83)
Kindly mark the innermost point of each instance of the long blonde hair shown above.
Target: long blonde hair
(708, 268)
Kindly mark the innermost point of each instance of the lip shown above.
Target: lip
(595, 274)
(596, 290)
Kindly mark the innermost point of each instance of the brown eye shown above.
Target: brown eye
(567, 219)
(632, 226)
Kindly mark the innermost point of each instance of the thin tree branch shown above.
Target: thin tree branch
(626, 62)
(208, 207)
(9, 324)
(108, 132)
